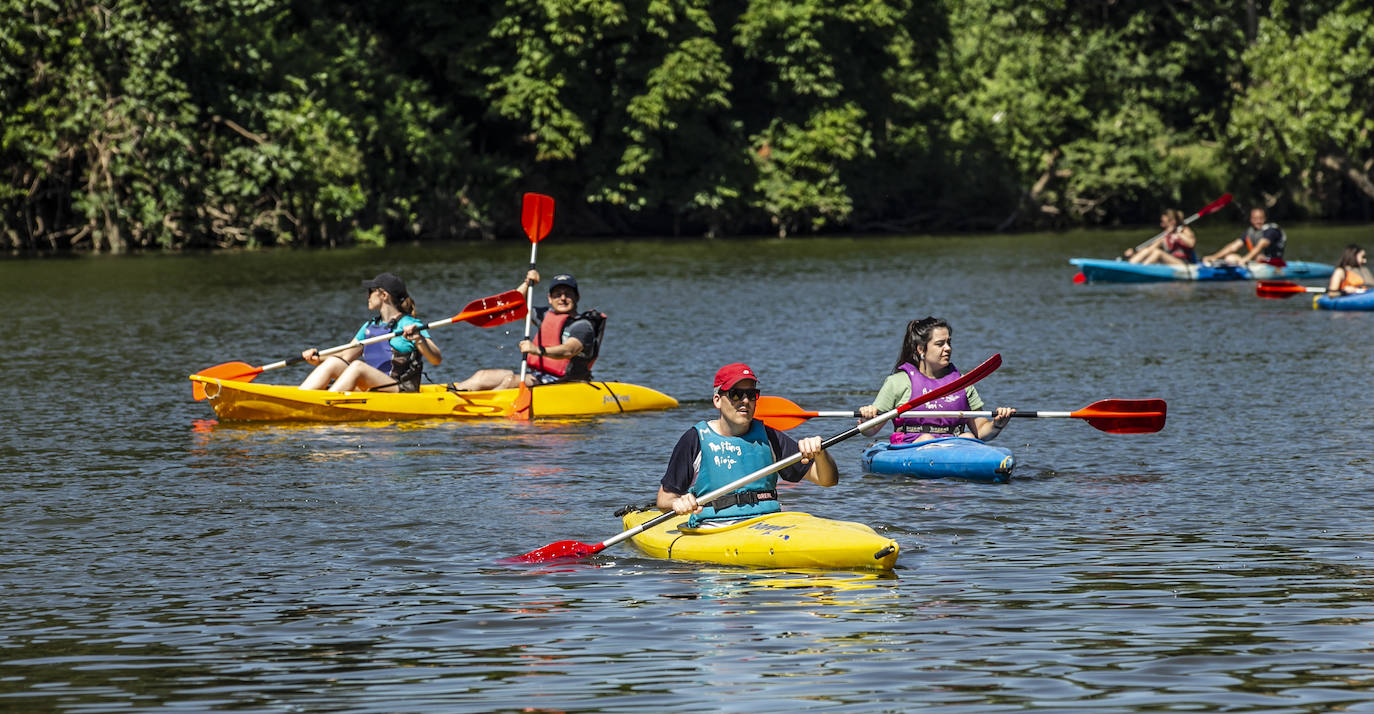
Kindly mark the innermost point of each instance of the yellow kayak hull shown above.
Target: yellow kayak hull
(245, 401)
(788, 539)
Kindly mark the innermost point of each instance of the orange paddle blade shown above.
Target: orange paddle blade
(233, 371)
(780, 413)
(523, 408)
(536, 215)
(1125, 416)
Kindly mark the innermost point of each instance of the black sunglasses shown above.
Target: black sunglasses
(738, 394)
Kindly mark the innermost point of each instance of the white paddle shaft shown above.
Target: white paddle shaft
(529, 316)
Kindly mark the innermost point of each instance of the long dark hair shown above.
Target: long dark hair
(918, 333)
(1351, 257)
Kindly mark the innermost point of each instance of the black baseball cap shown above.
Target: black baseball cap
(389, 283)
(564, 279)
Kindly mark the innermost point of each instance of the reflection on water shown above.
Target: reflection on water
(153, 557)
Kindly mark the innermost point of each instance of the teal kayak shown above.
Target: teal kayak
(948, 457)
(1120, 271)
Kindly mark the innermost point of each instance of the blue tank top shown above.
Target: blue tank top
(728, 458)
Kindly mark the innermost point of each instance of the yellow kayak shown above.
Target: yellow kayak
(246, 401)
(788, 539)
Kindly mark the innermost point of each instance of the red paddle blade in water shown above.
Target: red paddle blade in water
(1079, 278)
(562, 550)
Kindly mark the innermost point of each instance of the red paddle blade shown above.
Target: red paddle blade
(1278, 289)
(1079, 278)
(233, 371)
(1216, 205)
(781, 413)
(1125, 416)
(495, 310)
(562, 550)
(536, 215)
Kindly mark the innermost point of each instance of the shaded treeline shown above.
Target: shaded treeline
(137, 124)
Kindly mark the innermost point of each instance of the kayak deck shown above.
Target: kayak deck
(949, 457)
(788, 539)
(247, 401)
(1121, 271)
(1361, 301)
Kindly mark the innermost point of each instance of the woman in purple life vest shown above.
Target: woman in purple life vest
(922, 366)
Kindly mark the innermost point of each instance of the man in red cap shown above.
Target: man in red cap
(715, 453)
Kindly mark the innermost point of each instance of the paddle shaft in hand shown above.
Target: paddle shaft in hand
(1212, 207)
(484, 312)
(564, 549)
(536, 217)
(1118, 416)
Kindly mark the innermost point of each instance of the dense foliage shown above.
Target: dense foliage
(134, 124)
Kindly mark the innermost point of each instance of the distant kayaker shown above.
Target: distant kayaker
(563, 345)
(714, 453)
(924, 364)
(1262, 241)
(385, 366)
(1173, 247)
(1352, 275)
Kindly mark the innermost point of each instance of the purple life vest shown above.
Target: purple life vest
(911, 421)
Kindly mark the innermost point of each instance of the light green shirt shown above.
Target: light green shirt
(896, 391)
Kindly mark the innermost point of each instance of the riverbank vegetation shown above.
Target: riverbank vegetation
(171, 124)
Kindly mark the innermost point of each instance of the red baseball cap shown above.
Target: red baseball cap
(732, 374)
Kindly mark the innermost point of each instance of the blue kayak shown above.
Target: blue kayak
(1120, 271)
(949, 457)
(1362, 301)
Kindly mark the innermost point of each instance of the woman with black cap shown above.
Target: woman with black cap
(562, 347)
(385, 366)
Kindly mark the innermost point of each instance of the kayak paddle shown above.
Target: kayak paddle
(536, 215)
(483, 312)
(575, 549)
(1280, 289)
(1212, 207)
(1114, 416)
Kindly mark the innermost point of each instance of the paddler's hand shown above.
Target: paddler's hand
(685, 504)
(868, 412)
(412, 333)
(1001, 416)
(810, 448)
(527, 347)
(311, 356)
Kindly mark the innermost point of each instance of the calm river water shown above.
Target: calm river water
(153, 559)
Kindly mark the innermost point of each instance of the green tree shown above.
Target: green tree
(1303, 125)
